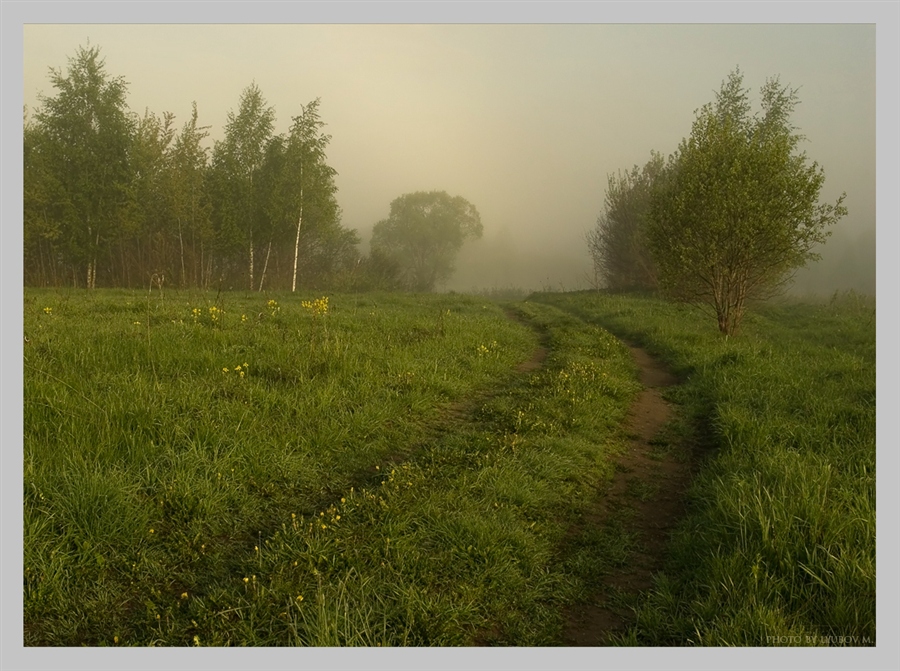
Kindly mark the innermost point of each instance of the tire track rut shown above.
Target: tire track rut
(647, 489)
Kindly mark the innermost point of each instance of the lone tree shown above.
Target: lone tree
(618, 243)
(737, 211)
(422, 235)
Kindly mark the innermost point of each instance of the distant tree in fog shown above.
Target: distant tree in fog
(618, 243)
(422, 236)
(737, 212)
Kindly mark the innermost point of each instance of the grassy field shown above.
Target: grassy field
(279, 471)
(779, 546)
(380, 470)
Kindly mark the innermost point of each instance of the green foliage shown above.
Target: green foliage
(236, 163)
(148, 186)
(423, 234)
(618, 245)
(77, 164)
(189, 203)
(320, 241)
(148, 210)
(738, 210)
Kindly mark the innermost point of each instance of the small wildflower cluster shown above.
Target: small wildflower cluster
(250, 584)
(405, 379)
(585, 379)
(586, 371)
(215, 315)
(241, 369)
(484, 350)
(331, 515)
(402, 478)
(317, 307)
(273, 307)
(48, 311)
(526, 423)
(329, 518)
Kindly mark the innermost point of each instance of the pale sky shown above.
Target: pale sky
(524, 121)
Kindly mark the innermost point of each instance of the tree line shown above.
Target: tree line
(726, 219)
(113, 198)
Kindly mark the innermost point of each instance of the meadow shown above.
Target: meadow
(361, 470)
(403, 470)
(778, 547)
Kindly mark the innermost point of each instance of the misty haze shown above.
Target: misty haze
(526, 122)
(447, 335)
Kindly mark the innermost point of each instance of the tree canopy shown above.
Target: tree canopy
(422, 236)
(119, 199)
(236, 163)
(311, 195)
(618, 246)
(77, 159)
(738, 208)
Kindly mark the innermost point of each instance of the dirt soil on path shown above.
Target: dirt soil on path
(660, 478)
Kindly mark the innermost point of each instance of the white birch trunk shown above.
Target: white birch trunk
(251, 262)
(265, 266)
(297, 242)
(181, 245)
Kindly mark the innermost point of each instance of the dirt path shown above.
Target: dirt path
(646, 490)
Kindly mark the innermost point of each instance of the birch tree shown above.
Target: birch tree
(85, 133)
(310, 179)
(189, 202)
(237, 160)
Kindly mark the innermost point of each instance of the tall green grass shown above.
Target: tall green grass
(779, 545)
(381, 474)
(242, 470)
